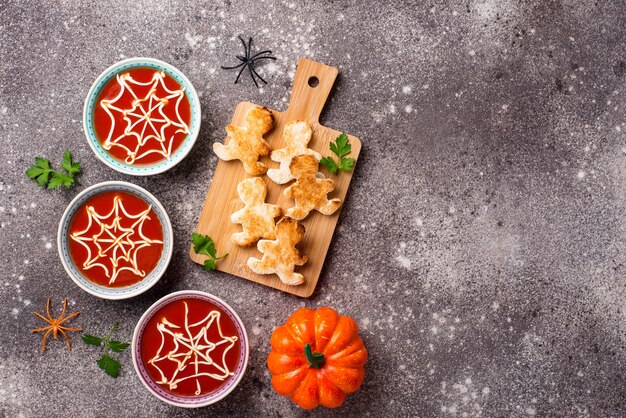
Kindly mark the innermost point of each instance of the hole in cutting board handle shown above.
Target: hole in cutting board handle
(313, 81)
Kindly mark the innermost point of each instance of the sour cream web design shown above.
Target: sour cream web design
(114, 247)
(193, 350)
(145, 117)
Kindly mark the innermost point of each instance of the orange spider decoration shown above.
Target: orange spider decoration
(56, 326)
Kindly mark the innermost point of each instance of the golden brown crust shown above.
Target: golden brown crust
(280, 256)
(309, 192)
(256, 217)
(247, 143)
(296, 136)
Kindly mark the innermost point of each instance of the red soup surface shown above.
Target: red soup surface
(115, 239)
(142, 116)
(190, 347)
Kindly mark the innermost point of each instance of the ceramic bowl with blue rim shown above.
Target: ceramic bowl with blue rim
(145, 118)
(190, 401)
(101, 291)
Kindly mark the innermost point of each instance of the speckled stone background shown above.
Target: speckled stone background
(482, 244)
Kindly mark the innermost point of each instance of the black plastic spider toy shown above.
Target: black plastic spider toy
(248, 61)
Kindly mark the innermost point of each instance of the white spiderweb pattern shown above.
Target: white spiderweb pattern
(193, 350)
(114, 243)
(145, 119)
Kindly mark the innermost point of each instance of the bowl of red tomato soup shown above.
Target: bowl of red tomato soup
(190, 349)
(141, 116)
(115, 240)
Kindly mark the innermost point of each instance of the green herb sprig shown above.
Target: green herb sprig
(203, 244)
(107, 363)
(341, 147)
(44, 175)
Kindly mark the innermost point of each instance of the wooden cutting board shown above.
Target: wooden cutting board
(312, 84)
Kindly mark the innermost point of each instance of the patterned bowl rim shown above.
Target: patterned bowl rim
(141, 170)
(114, 293)
(189, 401)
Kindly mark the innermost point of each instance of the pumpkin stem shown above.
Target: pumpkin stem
(316, 360)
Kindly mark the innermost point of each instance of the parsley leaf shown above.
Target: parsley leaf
(346, 164)
(91, 340)
(44, 175)
(60, 179)
(341, 147)
(118, 346)
(209, 264)
(107, 363)
(330, 164)
(39, 172)
(72, 168)
(203, 244)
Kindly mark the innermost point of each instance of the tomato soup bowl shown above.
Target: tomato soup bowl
(115, 240)
(190, 349)
(141, 116)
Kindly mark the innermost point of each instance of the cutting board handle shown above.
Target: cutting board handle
(311, 87)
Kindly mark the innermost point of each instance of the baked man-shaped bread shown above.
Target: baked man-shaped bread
(247, 143)
(297, 135)
(256, 217)
(280, 256)
(309, 191)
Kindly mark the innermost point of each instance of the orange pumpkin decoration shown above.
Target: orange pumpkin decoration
(317, 358)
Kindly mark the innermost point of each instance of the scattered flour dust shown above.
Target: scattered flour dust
(15, 388)
(365, 322)
(271, 68)
(532, 347)
(442, 327)
(192, 40)
(487, 10)
(401, 258)
(403, 261)
(463, 398)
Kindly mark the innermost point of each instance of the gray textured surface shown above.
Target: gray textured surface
(481, 248)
